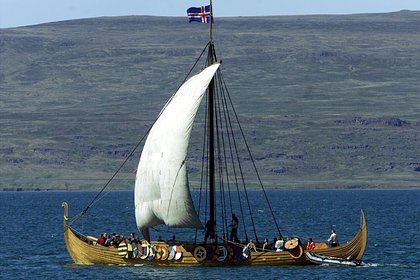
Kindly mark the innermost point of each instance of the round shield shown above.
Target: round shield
(200, 253)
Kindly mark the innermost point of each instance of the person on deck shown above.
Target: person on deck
(107, 238)
(332, 241)
(133, 238)
(279, 244)
(209, 232)
(114, 241)
(146, 234)
(234, 229)
(310, 245)
(265, 245)
(273, 244)
(251, 245)
(101, 240)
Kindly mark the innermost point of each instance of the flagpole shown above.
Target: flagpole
(211, 22)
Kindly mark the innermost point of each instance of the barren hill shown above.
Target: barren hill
(326, 101)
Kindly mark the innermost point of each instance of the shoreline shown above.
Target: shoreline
(38, 190)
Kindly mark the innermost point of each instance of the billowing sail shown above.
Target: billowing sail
(162, 193)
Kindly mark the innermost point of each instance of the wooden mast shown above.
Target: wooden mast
(210, 110)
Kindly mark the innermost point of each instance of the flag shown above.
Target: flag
(199, 14)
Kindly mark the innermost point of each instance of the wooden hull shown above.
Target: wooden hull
(86, 252)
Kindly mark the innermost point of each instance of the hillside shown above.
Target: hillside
(326, 101)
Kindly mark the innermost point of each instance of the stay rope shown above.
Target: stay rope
(252, 158)
(236, 150)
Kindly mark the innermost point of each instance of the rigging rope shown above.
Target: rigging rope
(219, 142)
(252, 158)
(244, 185)
(240, 166)
(231, 149)
(203, 162)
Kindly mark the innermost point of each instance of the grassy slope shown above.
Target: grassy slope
(334, 98)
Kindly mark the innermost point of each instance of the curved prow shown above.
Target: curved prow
(66, 211)
(363, 235)
(83, 250)
(352, 250)
(66, 229)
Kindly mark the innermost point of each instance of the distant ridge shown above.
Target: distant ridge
(412, 13)
(329, 101)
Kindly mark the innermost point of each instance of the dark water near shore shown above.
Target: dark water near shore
(32, 245)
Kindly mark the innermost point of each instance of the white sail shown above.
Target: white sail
(162, 193)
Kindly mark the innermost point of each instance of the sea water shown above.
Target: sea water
(32, 245)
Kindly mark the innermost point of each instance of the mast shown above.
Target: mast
(210, 110)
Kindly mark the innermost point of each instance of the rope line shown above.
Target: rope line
(252, 159)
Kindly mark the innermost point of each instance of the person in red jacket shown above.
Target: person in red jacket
(310, 245)
(101, 240)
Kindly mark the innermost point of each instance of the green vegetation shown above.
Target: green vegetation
(325, 101)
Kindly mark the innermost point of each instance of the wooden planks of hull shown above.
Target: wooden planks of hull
(84, 251)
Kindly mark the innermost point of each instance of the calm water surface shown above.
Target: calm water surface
(33, 247)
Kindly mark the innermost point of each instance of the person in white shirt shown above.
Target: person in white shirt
(333, 239)
(279, 244)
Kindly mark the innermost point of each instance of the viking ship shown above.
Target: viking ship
(162, 190)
